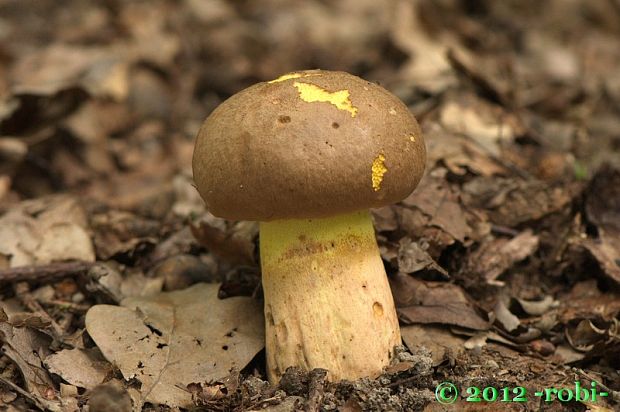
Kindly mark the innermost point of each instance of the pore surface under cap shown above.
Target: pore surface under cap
(308, 144)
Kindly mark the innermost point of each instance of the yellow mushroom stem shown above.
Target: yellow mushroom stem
(328, 302)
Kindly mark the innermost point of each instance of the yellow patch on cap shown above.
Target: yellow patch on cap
(412, 137)
(312, 93)
(378, 170)
(294, 75)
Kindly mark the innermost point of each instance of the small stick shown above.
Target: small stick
(22, 291)
(614, 394)
(52, 271)
(22, 392)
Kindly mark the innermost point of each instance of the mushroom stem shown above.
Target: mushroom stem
(328, 302)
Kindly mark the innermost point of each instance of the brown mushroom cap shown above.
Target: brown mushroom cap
(308, 144)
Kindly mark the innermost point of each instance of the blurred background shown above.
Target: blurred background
(105, 97)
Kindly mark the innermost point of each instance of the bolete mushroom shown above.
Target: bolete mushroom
(307, 155)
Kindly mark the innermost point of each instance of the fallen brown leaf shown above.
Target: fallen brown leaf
(26, 348)
(603, 209)
(425, 302)
(440, 341)
(84, 368)
(496, 255)
(45, 230)
(412, 258)
(169, 340)
(233, 241)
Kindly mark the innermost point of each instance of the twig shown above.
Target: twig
(615, 395)
(22, 291)
(44, 272)
(22, 392)
(67, 305)
(504, 230)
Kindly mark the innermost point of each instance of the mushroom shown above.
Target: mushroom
(307, 155)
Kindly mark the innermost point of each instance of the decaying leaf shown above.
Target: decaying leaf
(494, 256)
(586, 301)
(427, 66)
(182, 271)
(412, 258)
(188, 201)
(488, 131)
(169, 340)
(510, 202)
(434, 302)
(233, 241)
(537, 308)
(460, 154)
(119, 232)
(603, 208)
(80, 367)
(384, 219)
(440, 203)
(440, 341)
(506, 318)
(45, 230)
(137, 284)
(26, 348)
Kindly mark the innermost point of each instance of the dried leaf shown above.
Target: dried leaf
(512, 202)
(587, 301)
(428, 66)
(233, 241)
(585, 334)
(26, 347)
(60, 67)
(506, 318)
(170, 340)
(137, 284)
(64, 241)
(187, 199)
(384, 219)
(440, 203)
(182, 271)
(603, 209)
(434, 302)
(412, 258)
(479, 340)
(119, 232)
(80, 367)
(460, 154)
(566, 354)
(606, 253)
(45, 230)
(437, 339)
(495, 256)
(480, 122)
(537, 308)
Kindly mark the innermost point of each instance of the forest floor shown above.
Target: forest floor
(504, 263)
